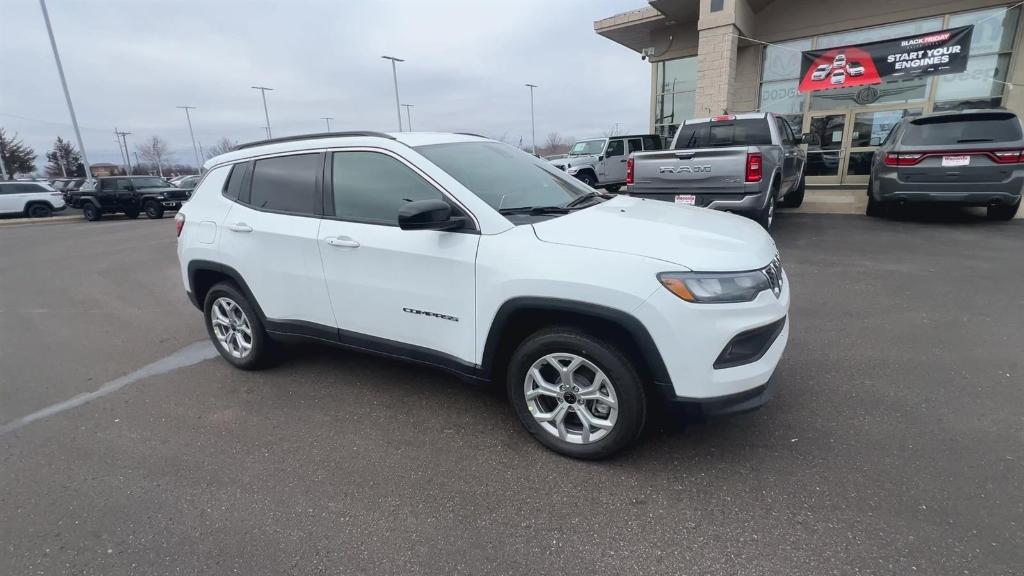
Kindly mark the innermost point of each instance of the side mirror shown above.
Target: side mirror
(428, 215)
(810, 139)
(600, 157)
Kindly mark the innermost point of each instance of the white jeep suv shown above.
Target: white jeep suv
(466, 254)
(33, 199)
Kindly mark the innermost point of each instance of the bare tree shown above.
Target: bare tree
(223, 146)
(154, 150)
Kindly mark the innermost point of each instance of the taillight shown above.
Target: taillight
(629, 170)
(179, 223)
(753, 167)
(1008, 156)
(723, 118)
(894, 159)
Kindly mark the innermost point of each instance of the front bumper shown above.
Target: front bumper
(725, 405)
(171, 204)
(691, 337)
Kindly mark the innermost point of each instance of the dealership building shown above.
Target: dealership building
(713, 56)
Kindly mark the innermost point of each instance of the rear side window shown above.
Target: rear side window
(749, 132)
(652, 142)
(635, 145)
(233, 185)
(286, 184)
(962, 129)
(371, 187)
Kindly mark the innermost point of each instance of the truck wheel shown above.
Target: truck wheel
(235, 328)
(153, 210)
(577, 394)
(767, 215)
(39, 211)
(91, 212)
(796, 197)
(876, 208)
(1002, 212)
(588, 179)
(613, 188)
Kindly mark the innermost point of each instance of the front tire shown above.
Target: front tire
(1002, 212)
(91, 212)
(613, 188)
(40, 211)
(154, 210)
(235, 328)
(577, 394)
(588, 179)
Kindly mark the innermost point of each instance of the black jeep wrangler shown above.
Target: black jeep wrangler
(130, 195)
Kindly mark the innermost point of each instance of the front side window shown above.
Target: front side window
(587, 147)
(503, 177)
(372, 187)
(286, 184)
(615, 148)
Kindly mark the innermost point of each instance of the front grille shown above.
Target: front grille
(773, 272)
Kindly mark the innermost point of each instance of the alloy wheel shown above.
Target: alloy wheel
(571, 398)
(231, 327)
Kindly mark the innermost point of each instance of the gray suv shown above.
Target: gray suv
(970, 158)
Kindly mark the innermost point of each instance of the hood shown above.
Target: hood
(564, 163)
(695, 238)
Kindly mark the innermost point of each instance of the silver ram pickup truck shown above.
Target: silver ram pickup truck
(742, 163)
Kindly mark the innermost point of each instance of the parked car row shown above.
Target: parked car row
(750, 163)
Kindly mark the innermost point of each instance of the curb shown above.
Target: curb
(30, 221)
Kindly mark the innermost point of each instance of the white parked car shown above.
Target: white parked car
(838, 77)
(466, 254)
(32, 199)
(855, 69)
(821, 72)
(839, 61)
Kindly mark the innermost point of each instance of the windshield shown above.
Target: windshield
(587, 147)
(154, 182)
(503, 176)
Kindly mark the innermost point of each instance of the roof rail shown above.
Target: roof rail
(314, 137)
(471, 134)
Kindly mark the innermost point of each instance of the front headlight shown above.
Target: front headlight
(716, 287)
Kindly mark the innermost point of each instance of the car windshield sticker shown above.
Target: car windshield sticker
(930, 54)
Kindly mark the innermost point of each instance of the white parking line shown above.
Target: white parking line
(187, 356)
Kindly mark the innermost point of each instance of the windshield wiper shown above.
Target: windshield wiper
(968, 140)
(535, 210)
(577, 201)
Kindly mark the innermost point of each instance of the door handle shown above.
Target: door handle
(343, 242)
(623, 160)
(239, 227)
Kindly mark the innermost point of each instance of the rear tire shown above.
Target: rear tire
(154, 210)
(767, 215)
(614, 406)
(39, 211)
(235, 329)
(875, 208)
(1002, 212)
(91, 212)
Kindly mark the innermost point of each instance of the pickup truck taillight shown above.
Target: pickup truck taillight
(753, 167)
(629, 171)
(179, 224)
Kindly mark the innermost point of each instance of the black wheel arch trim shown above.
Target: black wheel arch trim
(633, 327)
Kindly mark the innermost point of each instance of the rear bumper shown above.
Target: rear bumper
(740, 203)
(889, 188)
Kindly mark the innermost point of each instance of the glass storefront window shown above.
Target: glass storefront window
(676, 98)
(879, 33)
(977, 81)
(993, 29)
(871, 128)
(895, 92)
(782, 97)
(782, 61)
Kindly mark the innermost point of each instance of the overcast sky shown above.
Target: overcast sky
(130, 62)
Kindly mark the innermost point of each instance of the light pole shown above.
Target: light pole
(64, 85)
(328, 120)
(408, 116)
(263, 92)
(394, 75)
(533, 128)
(191, 133)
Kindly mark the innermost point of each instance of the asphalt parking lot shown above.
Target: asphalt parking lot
(895, 445)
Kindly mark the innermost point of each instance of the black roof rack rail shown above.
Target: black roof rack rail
(314, 137)
(471, 134)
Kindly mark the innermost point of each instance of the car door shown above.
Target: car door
(10, 198)
(392, 288)
(269, 236)
(615, 161)
(791, 163)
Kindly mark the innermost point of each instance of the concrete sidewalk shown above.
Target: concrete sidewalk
(50, 220)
